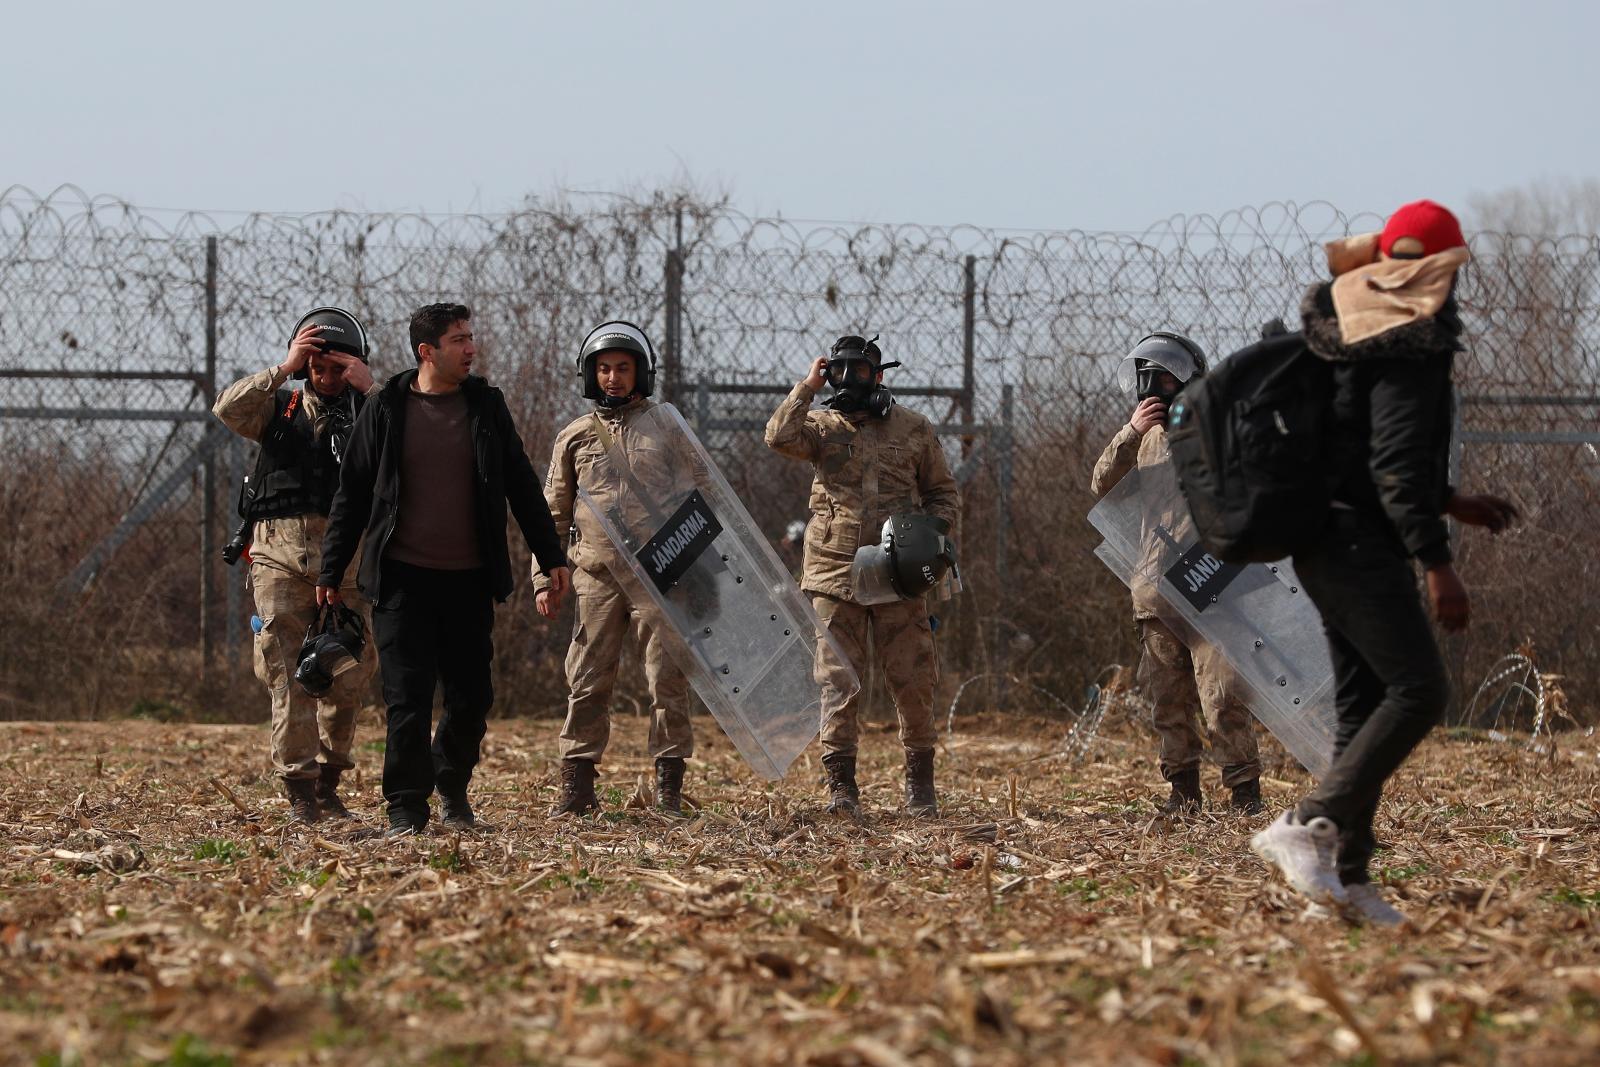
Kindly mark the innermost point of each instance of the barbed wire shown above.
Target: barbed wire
(91, 284)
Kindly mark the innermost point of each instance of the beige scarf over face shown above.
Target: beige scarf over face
(1371, 294)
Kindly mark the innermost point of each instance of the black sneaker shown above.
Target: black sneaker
(456, 813)
(404, 824)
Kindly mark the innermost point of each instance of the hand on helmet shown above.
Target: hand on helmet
(357, 375)
(306, 343)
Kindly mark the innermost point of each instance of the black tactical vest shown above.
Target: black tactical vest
(296, 474)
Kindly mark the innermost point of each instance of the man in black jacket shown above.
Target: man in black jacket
(1388, 324)
(431, 466)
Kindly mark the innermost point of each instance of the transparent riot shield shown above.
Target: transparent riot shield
(1256, 615)
(693, 560)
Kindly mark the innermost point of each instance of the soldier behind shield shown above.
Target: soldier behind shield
(617, 369)
(301, 433)
(1189, 682)
(871, 460)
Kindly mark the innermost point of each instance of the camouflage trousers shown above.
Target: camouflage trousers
(605, 620)
(1192, 690)
(904, 642)
(306, 731)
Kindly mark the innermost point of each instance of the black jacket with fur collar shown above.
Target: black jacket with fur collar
(1393, 411)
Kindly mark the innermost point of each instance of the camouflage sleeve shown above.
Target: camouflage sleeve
(789, 432)
(560, 494)
(246, 406)
(1116, 461)
(937, 487)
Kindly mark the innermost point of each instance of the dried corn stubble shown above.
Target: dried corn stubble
(1048, 916)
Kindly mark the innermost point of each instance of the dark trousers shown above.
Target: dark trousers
(1390, 679)
(432, 628)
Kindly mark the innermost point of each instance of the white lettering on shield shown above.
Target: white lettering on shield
(674, 545)
(1201, 572)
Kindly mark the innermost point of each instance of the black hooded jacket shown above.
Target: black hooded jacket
(1393, 413)
(365, 507)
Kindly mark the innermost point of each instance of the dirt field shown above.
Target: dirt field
(1048, 917)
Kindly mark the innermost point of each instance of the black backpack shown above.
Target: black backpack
(1248, 448)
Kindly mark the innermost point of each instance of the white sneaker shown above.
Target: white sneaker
(1306, 853)
(1365, 905)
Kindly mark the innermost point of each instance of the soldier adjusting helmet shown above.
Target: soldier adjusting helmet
(341, 332)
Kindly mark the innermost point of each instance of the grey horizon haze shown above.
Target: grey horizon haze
(1025, 115)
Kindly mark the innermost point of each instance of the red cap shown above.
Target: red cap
(1430, 223)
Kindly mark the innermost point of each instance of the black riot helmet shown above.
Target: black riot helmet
(616, 335)
(1161, 351)
(341, 332)
(912, 557)
(854, 364)
(333, 645)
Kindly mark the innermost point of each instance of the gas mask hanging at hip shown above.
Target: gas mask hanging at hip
(854, 364)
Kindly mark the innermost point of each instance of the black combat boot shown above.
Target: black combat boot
(1185, 798)
(455, 812)
(669, 784)
(577, 788)
(328, 793)
(1247, 797)
(919, 784)
(843, 796)
(302, 794)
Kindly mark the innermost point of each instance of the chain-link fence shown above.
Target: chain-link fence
(117, 327)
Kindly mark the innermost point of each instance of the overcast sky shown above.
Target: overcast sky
(1036, 115)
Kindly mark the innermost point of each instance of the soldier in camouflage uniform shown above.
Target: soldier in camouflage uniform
(1189, 682)
(871, 459)
(617, 367)
(292, 489)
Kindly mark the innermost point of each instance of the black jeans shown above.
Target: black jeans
(432, 627)
(1390, 679)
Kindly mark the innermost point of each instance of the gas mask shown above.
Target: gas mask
(853, 368)
(337, 420)
(1144, 370)
(333, 645)
(1156, 381)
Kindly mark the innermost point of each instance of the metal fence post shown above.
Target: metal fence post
(1002, 535)
(671, 340)
(208, 481)
(969, 293)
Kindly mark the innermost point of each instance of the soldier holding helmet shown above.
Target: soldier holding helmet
(872, 461)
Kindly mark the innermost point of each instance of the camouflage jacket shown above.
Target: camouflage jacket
(1129, 450)
(577, 462)
(291, 543)
(865, 469)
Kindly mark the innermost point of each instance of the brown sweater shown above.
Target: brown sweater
(436, 522)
